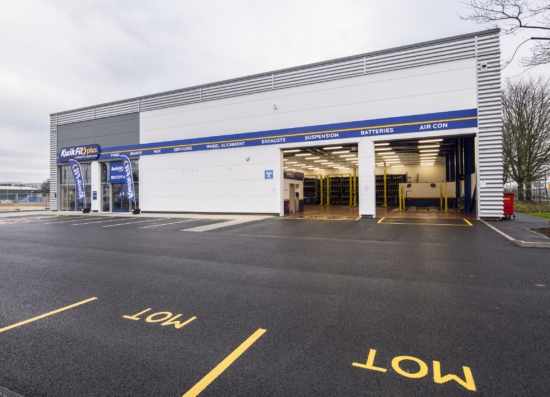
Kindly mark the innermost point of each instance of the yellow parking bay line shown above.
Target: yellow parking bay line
(425, 223)
(218, 370)
(30, 320)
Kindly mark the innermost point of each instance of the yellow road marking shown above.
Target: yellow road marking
(320, 218)
(218, 370)
(46, 315)
(425, 224)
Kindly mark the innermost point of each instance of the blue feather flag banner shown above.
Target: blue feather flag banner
(78, 180)
(130, 192)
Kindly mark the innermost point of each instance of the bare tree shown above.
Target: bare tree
(512, 16)
(45, 187)
(526, 132)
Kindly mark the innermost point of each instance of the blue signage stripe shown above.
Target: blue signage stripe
(429, 122)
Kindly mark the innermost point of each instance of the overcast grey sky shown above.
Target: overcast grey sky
(61, 55)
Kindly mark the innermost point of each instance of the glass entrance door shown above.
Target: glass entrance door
(120, 202)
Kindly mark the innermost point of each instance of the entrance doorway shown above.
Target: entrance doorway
(120, 201)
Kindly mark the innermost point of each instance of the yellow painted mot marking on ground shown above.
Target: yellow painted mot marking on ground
(466, 220)
(380, 221)
(167, 318)
(46, 314)
(423, 369)
(218, 370)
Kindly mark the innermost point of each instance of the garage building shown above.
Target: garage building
(408, 131)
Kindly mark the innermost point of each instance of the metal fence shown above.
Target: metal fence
(539, 194)
(24, 201)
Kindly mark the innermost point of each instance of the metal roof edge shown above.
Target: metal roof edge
(367, 54)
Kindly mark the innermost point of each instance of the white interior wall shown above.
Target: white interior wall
(435, 173)
(425, 190)
(300, 188)
(215, 181)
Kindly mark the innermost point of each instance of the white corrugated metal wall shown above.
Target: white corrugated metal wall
(53, 164)
(490, 167)
(483, 45)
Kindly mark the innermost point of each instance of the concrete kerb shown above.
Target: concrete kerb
(523, 244)
(11, 214)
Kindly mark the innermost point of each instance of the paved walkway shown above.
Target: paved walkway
(518, 230)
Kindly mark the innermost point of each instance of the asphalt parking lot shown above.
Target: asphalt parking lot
(145, 307)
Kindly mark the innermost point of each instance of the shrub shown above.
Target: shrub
(523, 207)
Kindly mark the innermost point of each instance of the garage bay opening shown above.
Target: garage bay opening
(426, 178)
(321, 182)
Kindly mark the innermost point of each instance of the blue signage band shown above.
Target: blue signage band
(431, 123)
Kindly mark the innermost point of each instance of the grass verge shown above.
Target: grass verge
(545, 215)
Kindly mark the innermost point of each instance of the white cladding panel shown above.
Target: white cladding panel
(367, 179)
(53, 164)
(223, 181)
(424, 89)
(216, 181)
(96, 185)
(489, 144)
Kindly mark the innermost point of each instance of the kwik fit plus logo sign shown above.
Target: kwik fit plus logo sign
(83, 152)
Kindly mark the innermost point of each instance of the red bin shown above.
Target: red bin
(509, 205)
